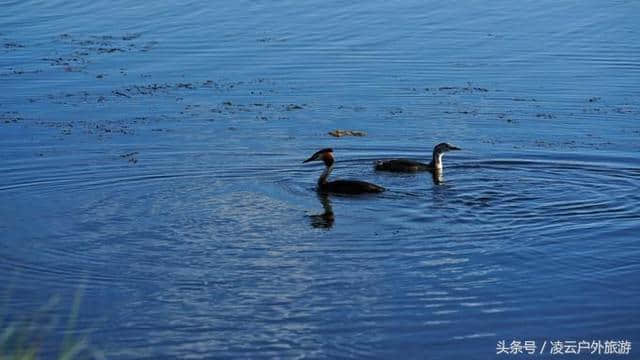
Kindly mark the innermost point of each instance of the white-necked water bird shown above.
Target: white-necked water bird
(406, 165)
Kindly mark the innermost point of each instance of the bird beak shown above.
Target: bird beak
(454, 148)
(313, 157)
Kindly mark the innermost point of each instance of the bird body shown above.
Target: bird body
(402, 165)
(350, 187)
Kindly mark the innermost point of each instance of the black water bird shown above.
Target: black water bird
(339, 186)
(406, 165)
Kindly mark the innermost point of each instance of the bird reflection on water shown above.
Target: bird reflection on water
(327, 218)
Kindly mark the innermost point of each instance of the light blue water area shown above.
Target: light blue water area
(151, 160)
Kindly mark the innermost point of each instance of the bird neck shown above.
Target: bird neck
(436, 174)
(322, 180)
(436, 161)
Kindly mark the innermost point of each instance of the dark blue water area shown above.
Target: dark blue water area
(151, 160)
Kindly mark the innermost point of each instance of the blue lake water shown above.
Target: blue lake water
(151, 159)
